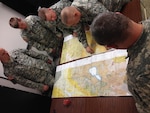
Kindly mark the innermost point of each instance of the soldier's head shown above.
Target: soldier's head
(111, 29)
(13, 22)
(4, 56)
(17, 23)
(70, 16)
(47, 14)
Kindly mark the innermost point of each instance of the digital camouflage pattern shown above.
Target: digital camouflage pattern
(138, 70)
(57, 7)
(40, 37)
(89, 10)
(57, 26)
(30, 69)
(60, 29)
(114, 5)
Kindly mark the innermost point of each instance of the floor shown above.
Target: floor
(145, 9)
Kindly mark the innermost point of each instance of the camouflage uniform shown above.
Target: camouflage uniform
(30, 69)
(114, 5)
(57, 26)
(89, 10)
(138, 70)
(41, 37)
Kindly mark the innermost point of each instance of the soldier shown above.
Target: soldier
(52, 16)
(117, 31)
(36, 34)
(28, 68)
(82, 12)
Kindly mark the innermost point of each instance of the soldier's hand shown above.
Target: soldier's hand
(89, 50)
(49, 61)
(60, 36)
(10, 77)
(87, 27)
(50, 50)
(74, 34)
(45, 88)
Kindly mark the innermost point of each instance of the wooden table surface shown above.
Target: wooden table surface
(94, 105)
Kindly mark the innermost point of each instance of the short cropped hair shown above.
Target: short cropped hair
(65, 14)
(109, 27)
(42, 12)
(13, 22)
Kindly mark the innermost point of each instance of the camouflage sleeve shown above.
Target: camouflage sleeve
(28, 83)
(52, 27)
(8, 71)
(78, 29)
(35, 74)
(20, 79)
(61, 4)
(26, 36)
(65, 29)
(42, 47)
(81, 35)
(36, 55)
(114, 5)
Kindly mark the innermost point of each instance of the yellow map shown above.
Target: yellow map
(73, 49)
(82, 74)
(97, 75)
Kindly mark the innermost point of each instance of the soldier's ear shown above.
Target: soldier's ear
(49, 9)
(117, 12)
(76, 14)
(19, 19)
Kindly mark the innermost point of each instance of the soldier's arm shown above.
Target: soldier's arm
(38, 46)
(36, 55)
(25, 36)
(114, 5)
(35, 74)
(28, 83)
(50, 25)
(82, 38)
(26, 39)
(42, 47)
(18, 78)
(61, 4)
